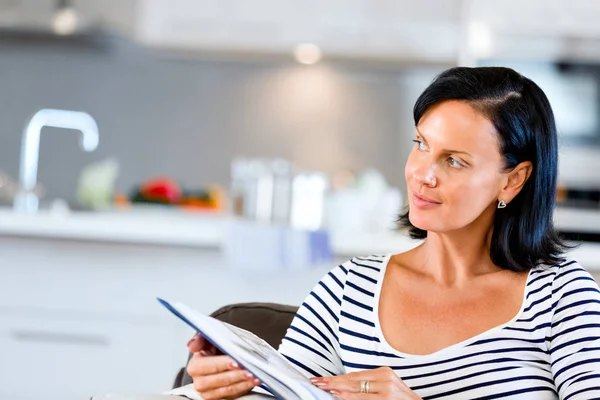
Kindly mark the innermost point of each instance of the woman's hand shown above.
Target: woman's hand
(217, 376)
(382, 383)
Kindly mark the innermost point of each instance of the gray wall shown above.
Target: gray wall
(187, 118)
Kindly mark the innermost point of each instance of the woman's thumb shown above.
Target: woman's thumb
(197, 343)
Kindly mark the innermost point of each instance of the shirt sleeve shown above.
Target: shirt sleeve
(574, 334)
(311, 341)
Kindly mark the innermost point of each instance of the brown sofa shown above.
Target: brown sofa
(266, 320)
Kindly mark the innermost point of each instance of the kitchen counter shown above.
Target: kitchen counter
(171, 228)
(137, 227)
(174, 228)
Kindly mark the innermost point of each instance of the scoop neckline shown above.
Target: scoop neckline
(448, 349)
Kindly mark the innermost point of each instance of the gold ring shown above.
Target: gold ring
(365, 386)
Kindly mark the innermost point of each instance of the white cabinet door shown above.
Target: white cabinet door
(73, 358)
(568, 18)
(580, 18)
(347, 28)
(534, 29)
(516, 16)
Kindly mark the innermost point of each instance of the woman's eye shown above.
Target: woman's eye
(454, 163)
(420, 145)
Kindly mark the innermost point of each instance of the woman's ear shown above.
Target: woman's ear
(515, 181)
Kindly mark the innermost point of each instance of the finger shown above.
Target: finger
(367, 396)
(385, 374)
(352, 386)
(342, 385)
(230, 392)
(215, 381)
(395, 394)
(355, 396)
(200, 366)
(197, 343)
(212, 350)
(346, 382)
(374, 374)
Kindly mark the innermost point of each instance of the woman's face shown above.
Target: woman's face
(454, 172)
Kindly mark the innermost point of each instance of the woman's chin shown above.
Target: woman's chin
(425, 221)
(419, 222)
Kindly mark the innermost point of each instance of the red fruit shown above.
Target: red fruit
(162, 189)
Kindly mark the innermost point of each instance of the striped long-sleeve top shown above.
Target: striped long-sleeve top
(550, 350)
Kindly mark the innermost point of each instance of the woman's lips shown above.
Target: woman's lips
(424, 202)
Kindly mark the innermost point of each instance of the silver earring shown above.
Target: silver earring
(501, 204)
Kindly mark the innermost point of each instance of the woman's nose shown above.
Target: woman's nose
(425, 174)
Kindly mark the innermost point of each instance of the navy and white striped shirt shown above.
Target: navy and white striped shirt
(550, 350)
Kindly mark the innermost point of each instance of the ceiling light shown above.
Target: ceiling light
(65, 21)
(307, 53)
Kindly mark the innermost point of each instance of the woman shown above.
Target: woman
(485, 307)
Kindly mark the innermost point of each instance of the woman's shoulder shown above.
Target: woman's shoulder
(565, 277)
(365, 264)
(566, 268)
(369, 267)
(571, 293)
(368, 262)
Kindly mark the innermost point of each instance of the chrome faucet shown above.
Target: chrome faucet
(26, 199)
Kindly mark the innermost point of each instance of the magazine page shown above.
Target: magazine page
(252, 353)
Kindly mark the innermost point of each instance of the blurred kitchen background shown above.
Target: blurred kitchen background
(232, 151)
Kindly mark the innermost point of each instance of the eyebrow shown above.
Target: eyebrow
(445, 150)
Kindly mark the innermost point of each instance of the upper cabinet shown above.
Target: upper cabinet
(538, 29)
(539, 17)
(399, 30)
(435, 31)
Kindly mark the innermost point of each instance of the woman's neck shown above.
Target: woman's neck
(456, 258)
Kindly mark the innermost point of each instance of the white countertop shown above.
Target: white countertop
(140, 226)
(166, 228)
(207, 231)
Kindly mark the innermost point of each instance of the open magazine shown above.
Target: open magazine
(251, 353)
